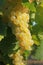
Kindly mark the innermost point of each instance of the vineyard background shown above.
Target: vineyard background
(8, 41)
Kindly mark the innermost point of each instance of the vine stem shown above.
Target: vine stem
(35, 62)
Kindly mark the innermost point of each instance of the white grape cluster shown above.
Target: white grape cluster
(20, 29)
(18, 58)
(19, 24)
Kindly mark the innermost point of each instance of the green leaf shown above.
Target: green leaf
(39, 15)
(16, 46)
(24, 1)
(41, 3)
(36, 40)
(2, 2)
(3, 29)
(1, 37)
(7, 60)
(8, 43)
(39, 51)
(30, 6)
(26, 54)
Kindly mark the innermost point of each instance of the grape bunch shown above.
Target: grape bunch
(20, 28)
(18, 58)
(20, 20)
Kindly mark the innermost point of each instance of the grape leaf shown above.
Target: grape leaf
(7, 60)
(24, 1)
(9, 43)
(36, 40)
(39, 51)
(3, 29)
(30, 6)
(26, 54)
(39, 15)
(41, 3)
(1, 37)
